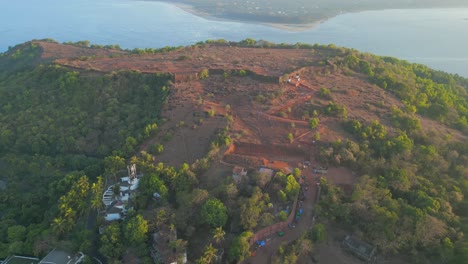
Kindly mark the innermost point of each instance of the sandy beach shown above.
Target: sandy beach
(287, 27)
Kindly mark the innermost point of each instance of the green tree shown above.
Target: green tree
(16, 233)
(150, 129)
(318, 233)
(446, 250)
(16, 247)
(282, 196)
(151, 183)
(113, 164)
(292, 187)
(211, 112)
(208, 255)
(461, 253)
(374, 131)
(313, 123)
(241, 73)
(297, 173)
(135, 230)
(130, 144)
(248, 42)
(60, 226)
(240, 247)
(317, 136)
(189, 205)
(251, 209)
(112, 245)
(156, 149)
(214, 213)
(97, 189)
(204, 74)
(283, 216)
(184, 180)
(325, 93)
(218, 234)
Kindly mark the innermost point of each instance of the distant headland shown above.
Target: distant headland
(295, 15)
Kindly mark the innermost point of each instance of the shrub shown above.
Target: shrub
(318, 233)
(337, 110)
(283, 216)
(211, 112)
(156, 149)
(204, 74)
(317, 136)
(313, 123)
(167, 136)
(325, 93)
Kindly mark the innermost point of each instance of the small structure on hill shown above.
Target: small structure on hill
(59, 256)
(360, 249)
(113, 214)
(56, 256)
(115, 201)
(278, 166)
(268, 172)
(20, 260)
(238, 174)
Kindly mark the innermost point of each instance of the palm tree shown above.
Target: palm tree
(208, 255)
(70, 213)
(59, 226)
(96, 203)
(97, 189)
(218, 234)
(63, 203)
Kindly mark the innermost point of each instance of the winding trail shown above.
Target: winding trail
(265, 254)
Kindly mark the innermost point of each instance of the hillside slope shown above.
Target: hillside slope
(394, 135)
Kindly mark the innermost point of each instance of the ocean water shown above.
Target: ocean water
(435, 37)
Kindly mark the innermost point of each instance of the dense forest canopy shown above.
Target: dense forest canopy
(64, 132)
(56, 126)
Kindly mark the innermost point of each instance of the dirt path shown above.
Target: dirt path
(275, 118)
(265, 254)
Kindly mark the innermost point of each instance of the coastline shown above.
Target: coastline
(301, 27)
(295, 27)
(286, 27)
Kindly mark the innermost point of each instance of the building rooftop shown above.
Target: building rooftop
(267, 171)
(20, 260)
(360, 248)
(58, 256)
(238, 170)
